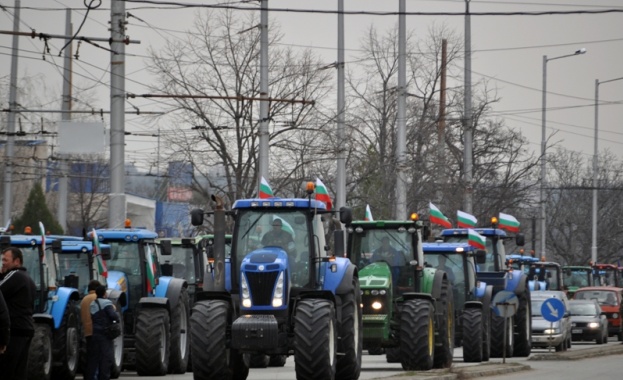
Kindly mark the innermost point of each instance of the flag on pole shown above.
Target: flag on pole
(151, 270)
(476, 240)
(42, 229)
(322, 194)
(97, 254)
(465, 220)
(368, 216)
(265, 190)
(437, 217)
(508, 222)
(7, 228)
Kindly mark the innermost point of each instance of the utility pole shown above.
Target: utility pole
(401, 180)
(117, 200)
(63, 191)
(467, 119)
(263, 132)
(341, 154)
(9, 150)
(441, 126)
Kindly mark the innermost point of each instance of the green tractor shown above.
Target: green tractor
(575, 277)
(407, 309)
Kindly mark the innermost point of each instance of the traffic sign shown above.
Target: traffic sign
(505, 304)
(553, 309)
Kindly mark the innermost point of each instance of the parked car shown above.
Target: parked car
(550, 334)
(609, 298)
(588, 322)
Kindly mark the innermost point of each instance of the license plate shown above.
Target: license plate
(576, 331)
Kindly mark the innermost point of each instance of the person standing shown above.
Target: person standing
(85, 314)
(5, 325)
(101, 353)
(19, 291)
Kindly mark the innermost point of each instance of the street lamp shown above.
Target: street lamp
(543, 142)
(595, 168)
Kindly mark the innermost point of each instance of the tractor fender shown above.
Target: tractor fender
(334, 273)
(59, 303)
(487, 298)
(521, 284)
(438, 278)
(323, 294)
(173, 290)
(347, 281)
(154, 302)
(420, 296)
(44, 319)
(117, 296)
(212, 295)
(513, 281)
(473, 305)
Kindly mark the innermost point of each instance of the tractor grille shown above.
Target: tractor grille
(261, 285)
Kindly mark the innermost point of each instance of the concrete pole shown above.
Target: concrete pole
(543, 158)
(467, 120)
(117, 199)
(595, 177)
(441, 126)
(63, 188)
(401, 181)
(10, 138)
(341, 104)
(263, 132)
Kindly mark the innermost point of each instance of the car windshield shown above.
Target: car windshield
(604, 297)
(585, 309)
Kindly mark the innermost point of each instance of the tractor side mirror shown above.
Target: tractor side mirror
(165, 247)
(106, 253)
(5, 241)
(481, 256)
(167, 269)
(520, 240)
(57, 246)
(338, 241)
(425, 233)
(346, 215)
(196, 217)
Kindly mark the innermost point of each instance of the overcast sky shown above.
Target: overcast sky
(507, 50)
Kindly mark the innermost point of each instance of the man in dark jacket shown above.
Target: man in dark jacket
(5, 325)
(19, 291)
(101, 347)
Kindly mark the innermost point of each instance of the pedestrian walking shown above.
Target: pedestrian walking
(101, 353)
(85, 316)
(18, 290)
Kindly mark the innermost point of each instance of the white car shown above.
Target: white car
(550, 334)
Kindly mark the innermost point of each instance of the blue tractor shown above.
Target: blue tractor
(296, 296)
(54, 350)
(542, 275)
(156, 314)
(495, 272)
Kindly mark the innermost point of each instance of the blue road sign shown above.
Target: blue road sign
(553, 309)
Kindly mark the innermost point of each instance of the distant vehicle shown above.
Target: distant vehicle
(576, 277)
(606, 275)
(588, 322)
(547, 334)
(609, 299)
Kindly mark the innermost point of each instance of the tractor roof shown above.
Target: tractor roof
(483, 231)
(447, 247)
(383, 224)
(127, 234)
(273, 203)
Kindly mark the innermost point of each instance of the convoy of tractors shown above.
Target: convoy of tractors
(290, 277)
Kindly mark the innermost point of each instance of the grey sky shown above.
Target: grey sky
(507, 50)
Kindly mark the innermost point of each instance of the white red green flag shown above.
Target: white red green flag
(42, 229)
(265, 190)
(508, 222)
(97, 254)
(368, 217)
(437, 217)
(465, 220)
(322, 194)
(151, 270)
(476, 240)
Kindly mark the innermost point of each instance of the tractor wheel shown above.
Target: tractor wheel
(315, 340)
(259, 361)
(486, 335)
(67, 344)
(117, 362)
(472, 335)
(417, 335)
(152, 342)
(277, 360)
(40, 354)
(212, 360)
(392, 354)
(523, 326)
(180, 344)
(444, 347)
(351, 335)
(497, 337)
(376, 351)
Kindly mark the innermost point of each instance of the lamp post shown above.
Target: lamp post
(595, 168)
(543, 143)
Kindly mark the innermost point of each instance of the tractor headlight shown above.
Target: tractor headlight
(278, 293)
(593, 325)
(246, 295)
(376, 305)
(615, 315)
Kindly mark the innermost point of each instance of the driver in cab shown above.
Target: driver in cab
(388, 254)
(278, 237)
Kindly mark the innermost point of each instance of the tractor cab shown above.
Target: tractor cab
(576, 277)
(606, 275)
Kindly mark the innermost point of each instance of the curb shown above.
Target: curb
(469, 372)
(581, 354)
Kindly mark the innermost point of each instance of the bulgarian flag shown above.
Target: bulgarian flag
(97, 253)
(368, 217)
(42, 229)
(465, 220)
(265, 190)
(475, 239)
(151, 270)
(437, 217)
(322, 194)
(508, 222)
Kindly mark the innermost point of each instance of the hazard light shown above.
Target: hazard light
(310, 187)
(27, 230)
(128, 223)
(414, 216)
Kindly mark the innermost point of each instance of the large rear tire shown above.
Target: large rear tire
(523, 326)
(180, 344)
(472, 335)
(315, 340)
(212, 360)
(351, 335)
(497, 337)
(417, 335)
(444, 347)
(392, 354)
(40, 354)
(153, 330)
(67, 344)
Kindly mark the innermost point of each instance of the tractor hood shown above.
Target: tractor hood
(375, 275)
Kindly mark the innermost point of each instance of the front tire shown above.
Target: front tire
(351, 335)
(315, 340)
(152, 342)
(67, 344)
(523, 323)
(472, 335)
(417, 335)
(40, 354)
(117, 344)
(444, 349)
(497, 337)
(180, 345)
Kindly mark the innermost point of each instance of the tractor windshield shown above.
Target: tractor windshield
(605, 277)
(577, 277)
(182, 261)
(32, 264)
(453, 264)
(545, 273)
(74, 263)
(489, 265)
